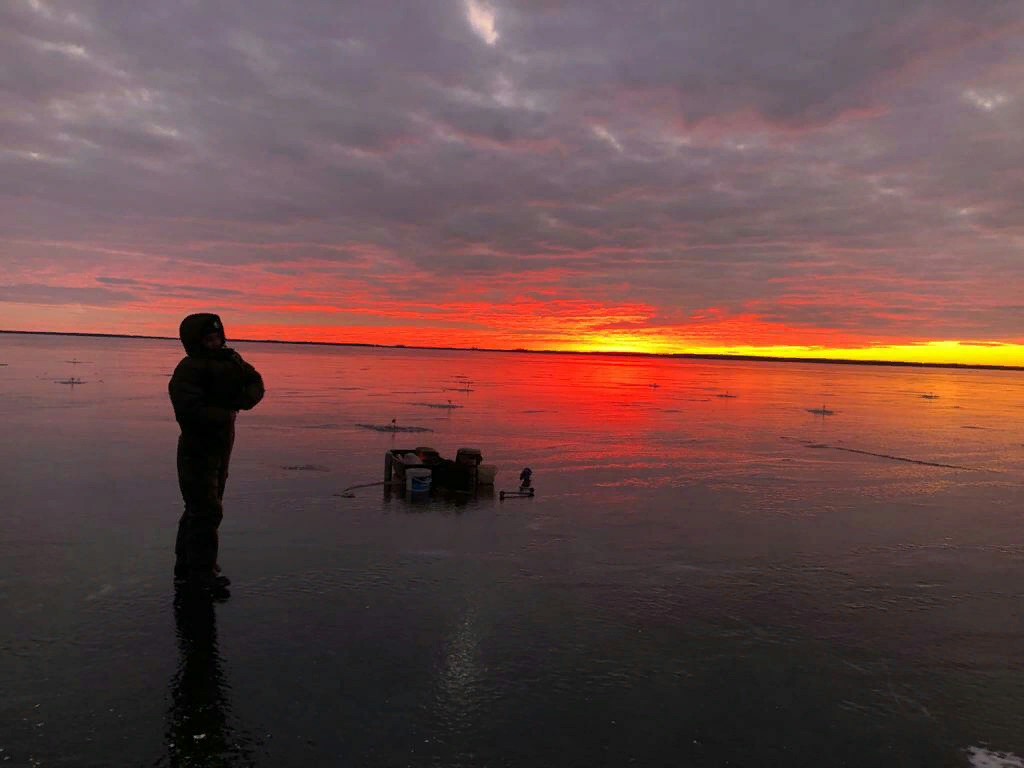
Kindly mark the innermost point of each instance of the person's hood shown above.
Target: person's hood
(194, 327)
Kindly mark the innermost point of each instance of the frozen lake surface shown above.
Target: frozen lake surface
(726, 563)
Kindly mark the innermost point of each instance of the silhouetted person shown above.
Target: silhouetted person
(209, 386)
(198, 733)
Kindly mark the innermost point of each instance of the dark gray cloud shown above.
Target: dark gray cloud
(792, 61)
(770, 157)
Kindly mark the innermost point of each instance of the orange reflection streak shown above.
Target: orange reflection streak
(614, 408)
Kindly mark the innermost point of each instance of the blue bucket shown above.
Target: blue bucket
(417, 480)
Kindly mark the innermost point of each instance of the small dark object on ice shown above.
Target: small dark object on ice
(525, 490)
(522, 493)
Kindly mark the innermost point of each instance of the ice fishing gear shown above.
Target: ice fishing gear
(423, 469)
(528, 493)
(525, 489)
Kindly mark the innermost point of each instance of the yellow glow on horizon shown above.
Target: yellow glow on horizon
(624, 343)
(954, 352)
(947, 352)
(163, 322)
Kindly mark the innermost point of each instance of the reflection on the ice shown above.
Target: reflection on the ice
(198, 730)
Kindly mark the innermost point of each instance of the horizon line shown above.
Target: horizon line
(521, 350)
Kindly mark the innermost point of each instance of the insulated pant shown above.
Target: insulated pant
(201, 478)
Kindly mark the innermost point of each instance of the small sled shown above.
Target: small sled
(522, 493)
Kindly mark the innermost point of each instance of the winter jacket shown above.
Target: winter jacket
(209, 387)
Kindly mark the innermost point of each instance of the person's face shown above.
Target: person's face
(213, 341)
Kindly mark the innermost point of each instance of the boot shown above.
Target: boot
(224, 580)
(207, 583)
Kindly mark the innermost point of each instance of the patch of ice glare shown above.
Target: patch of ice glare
(979, 757)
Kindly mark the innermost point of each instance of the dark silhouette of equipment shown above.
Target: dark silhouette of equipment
(525, 489)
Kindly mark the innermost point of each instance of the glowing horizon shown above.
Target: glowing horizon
(944, 352)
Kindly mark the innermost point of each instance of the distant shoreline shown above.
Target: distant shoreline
(669, 355)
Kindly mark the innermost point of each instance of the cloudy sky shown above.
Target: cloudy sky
(663, 175)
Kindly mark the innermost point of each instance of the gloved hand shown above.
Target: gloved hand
(226, 353)
(252, 385)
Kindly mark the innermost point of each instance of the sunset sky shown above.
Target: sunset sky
(840, 178)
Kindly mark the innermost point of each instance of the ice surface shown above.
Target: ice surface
(681, 571)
